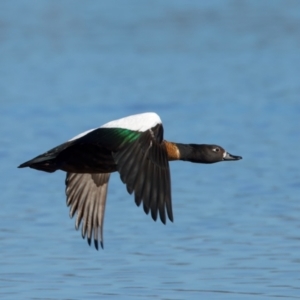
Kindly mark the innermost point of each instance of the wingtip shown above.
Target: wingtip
(170, 215)
(89, 240)
(96, 243)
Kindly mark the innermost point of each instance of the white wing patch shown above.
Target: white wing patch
(139, 122)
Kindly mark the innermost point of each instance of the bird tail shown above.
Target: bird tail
(44, 162)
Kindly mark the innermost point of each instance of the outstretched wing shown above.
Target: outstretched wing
(86, 195)
(144, 168)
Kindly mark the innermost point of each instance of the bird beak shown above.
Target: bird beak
(228, 156)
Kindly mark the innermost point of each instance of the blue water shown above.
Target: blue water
(224, 72)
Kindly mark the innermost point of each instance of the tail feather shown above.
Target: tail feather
(48, 161)
(42, 162)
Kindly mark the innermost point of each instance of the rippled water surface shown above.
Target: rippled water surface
(224, 72)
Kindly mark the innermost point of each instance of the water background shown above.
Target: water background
(224, 72)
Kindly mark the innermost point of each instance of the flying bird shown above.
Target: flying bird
(135, 147)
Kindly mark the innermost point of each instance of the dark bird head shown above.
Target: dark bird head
(209, 154)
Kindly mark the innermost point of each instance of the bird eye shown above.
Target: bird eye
(216, 149)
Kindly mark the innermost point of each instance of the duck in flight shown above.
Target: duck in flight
(135, 147)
